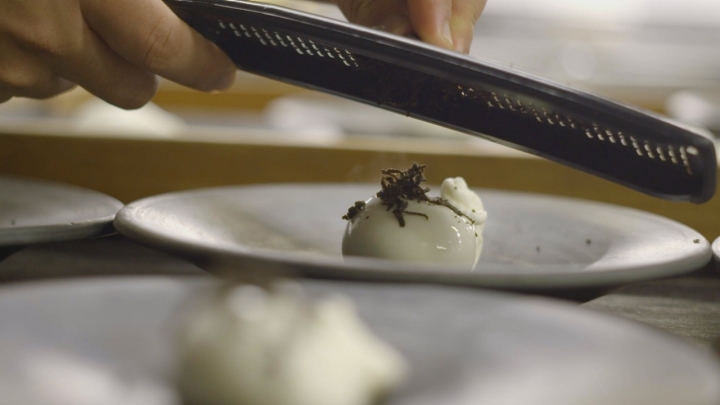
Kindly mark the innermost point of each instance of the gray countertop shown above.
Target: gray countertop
(685, 306)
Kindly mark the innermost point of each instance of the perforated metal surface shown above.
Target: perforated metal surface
(618, 143)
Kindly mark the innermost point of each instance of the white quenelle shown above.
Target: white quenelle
(251, 346)
(432, 232)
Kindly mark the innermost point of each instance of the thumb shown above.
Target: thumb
(462, 23)
(446, 23)
(431, 21)
(388, 15)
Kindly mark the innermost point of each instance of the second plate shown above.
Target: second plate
(38, 211)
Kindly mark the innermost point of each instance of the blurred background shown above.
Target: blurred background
(662, 55)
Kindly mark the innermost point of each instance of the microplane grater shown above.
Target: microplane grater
(622, 144)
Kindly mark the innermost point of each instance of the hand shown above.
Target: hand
(445, 23)
(112, 48)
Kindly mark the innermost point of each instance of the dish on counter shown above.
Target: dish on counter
(716, 252)
(270, 343)
(403, 222)
(109, 342)
(534, 243)
(35, 211)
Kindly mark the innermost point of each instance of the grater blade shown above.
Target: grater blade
(631, 147)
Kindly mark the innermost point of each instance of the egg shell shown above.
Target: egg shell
(442, 237)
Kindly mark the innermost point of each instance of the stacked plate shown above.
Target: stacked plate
(463, 345)
(35, 211)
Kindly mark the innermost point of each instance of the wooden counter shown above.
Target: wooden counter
(129, 169)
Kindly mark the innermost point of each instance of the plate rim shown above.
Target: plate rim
(128, 224)
(57, 232)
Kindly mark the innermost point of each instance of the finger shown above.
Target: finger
(149, 35)
(4, 97)
(465, 14)
(431, 21)
(55, 87)
(90, 63)
(23, 75)
(388, 15)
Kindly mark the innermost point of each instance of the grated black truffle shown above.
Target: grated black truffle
(399, 187)
(354, 210)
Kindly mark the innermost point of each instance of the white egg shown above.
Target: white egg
(438, 235)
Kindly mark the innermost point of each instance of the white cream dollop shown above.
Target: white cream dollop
(257, 347)
(443, 236)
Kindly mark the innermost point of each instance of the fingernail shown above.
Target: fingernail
(225, 82)
(462, 45)
(397, 24)
(446, 33)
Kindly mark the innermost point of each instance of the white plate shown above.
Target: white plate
(532, 242)
(34, 211)
(109, 342)
(716, 252)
